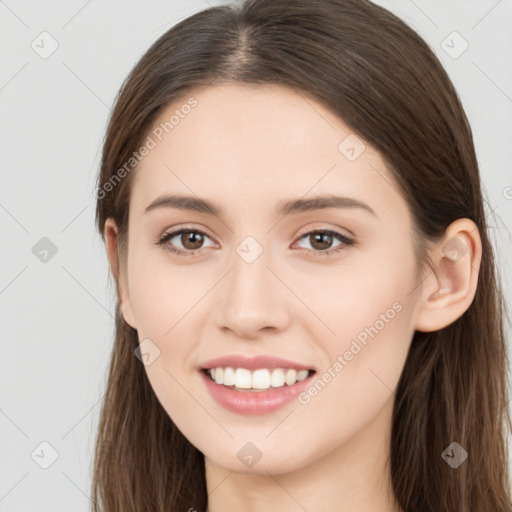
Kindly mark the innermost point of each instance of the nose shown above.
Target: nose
(253, 300)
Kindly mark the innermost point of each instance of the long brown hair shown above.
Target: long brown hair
(373, 71)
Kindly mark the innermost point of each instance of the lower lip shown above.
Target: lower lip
(254, 402)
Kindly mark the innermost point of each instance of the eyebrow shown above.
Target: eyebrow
(294, 206)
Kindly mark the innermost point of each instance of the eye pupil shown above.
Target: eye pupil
(318, 237)
(192, 237)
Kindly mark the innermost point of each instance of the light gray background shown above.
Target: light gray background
(56, 316)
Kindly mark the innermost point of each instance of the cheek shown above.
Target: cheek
(161, 294)
(368, 311)
(367, 296)
(165, 300)
(364, 364)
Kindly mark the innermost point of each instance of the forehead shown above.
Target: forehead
(252, 145)
(242, 119)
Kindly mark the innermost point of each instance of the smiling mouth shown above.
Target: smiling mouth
(256, 381)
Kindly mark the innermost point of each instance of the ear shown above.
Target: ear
(448, 291)
(118, 271)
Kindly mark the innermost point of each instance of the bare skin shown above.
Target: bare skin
(247, 149)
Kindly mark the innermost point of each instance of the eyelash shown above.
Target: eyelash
(346, 241)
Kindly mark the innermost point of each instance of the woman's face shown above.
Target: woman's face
(341, 302)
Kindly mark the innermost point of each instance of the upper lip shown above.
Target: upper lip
(252, 363)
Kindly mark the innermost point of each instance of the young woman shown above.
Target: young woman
(308, 315)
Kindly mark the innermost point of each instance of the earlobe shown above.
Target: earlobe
(449, 289)
(118, 272)
(127, 313)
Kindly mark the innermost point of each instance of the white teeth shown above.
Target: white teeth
(290, 377)
(229, 377)
(277, 379)
(302, 374)
(259, 379)
(242, 378)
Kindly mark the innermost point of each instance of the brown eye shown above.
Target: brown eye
(321, 241)
(191, 240)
